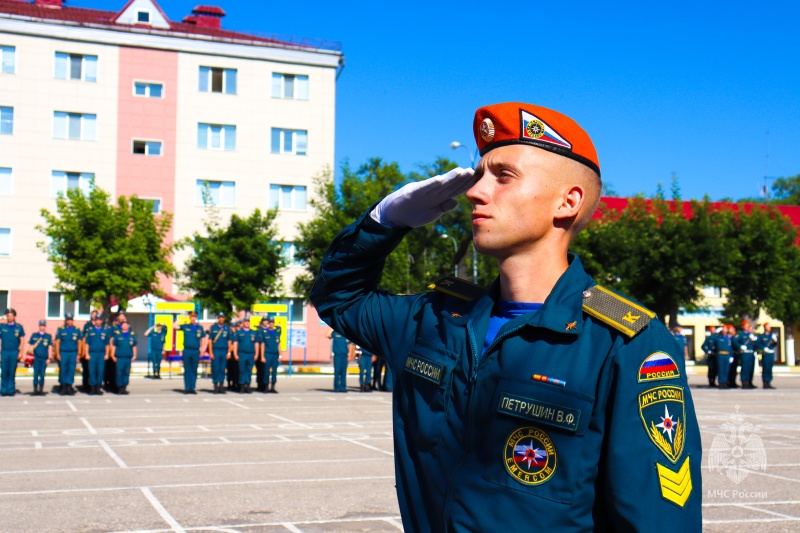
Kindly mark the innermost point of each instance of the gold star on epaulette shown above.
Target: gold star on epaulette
(572, 325)
(455, 315)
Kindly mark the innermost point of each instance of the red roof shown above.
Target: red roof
(209, 10)
(96, 17)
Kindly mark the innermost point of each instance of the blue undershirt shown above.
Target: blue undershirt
(504, 311)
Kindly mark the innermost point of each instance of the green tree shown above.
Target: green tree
(760, 264)
(101, 251)
(786, 191)
(234, 267)
(422, 257)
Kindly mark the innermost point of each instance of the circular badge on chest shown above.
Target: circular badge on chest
(530, 456)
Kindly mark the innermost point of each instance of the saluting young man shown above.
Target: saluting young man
(546, 402)
(157, 336)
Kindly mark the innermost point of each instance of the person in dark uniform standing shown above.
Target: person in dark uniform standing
(110, 371)
(219, 348)
(157, 335)
(270, 353)
(364, 369)
(67, 341)
(96, 343)
(709, 348)
(724, 349)
(766, 344)
(41, 346)
(122, 350)
(233, 362)
(680, 338)
(260, 362)
(545, 402)
(12, 350)
(83, 354)
(745, 344)
(736, 359)
(193, 344)
(341, 350)
(378, 370)
(245, 342)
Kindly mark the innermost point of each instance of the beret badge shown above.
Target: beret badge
(487, 130)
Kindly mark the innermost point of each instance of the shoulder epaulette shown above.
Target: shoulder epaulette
(616, 311)
(458, 287)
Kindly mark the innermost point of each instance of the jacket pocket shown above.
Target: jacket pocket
(536, 442)
(427, 377)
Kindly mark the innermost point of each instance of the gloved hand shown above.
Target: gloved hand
(422, 202)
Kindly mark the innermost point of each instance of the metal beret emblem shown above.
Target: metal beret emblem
(487, 130)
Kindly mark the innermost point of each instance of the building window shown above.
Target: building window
(8, 59)
(289, 141)
(6, 120)
(58, 306)
(143, 17)
(287, 197)
(217, 193)
(289, 255)
(712, 292)
(297, 309)
(6, 182)
(289, 86)
(4, 300)
(74, 126)
(216, 137)
(155, 202)
(217, 80)
(5, 241)
(61, 182)
(147, 89)
(147, 147)
(76, 67)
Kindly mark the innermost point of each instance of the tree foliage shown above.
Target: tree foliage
(422, 257)
(102, 251)
(235, 266)
(786, 191)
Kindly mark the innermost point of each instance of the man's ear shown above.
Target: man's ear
(571, 202)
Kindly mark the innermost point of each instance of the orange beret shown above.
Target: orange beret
(516, 123)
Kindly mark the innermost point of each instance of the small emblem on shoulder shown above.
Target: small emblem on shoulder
(658, 365)
(530, 456)
(460, 288)
(571, 325)
(665, 405)
(616, 311)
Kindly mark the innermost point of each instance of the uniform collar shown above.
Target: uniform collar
(562, 311)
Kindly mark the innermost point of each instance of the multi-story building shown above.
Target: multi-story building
(148, 106)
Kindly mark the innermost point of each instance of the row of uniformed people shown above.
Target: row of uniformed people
(96, 344)
(234, 348)
(726, 350)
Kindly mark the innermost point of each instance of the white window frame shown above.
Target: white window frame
(226, 195)
(148, 85)
(84, 70)
(209, 81)
(67, 116)
(224, 131)
(6, 231)
(276, 202)
(8, 51)
(9, 176)
(148, 142)
(76, 307)
(282, 132)
(299, 86)
(154, 200)
(288, 251)
(60, 184)
(11, 122)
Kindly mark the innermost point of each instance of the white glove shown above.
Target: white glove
(422, 202)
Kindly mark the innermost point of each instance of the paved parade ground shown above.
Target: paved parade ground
(309, 460)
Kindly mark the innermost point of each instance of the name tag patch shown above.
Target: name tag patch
(542, 412)
(425, 369)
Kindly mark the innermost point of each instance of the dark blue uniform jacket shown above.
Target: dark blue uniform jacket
(564, 424)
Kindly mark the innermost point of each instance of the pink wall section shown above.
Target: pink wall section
(31, 306)
(152, 119)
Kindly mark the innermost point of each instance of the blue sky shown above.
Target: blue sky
(709, 91)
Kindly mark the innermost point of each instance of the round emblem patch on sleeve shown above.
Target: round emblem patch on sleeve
(530, 456)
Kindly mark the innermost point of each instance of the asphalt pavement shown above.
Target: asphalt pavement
(308, 459)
